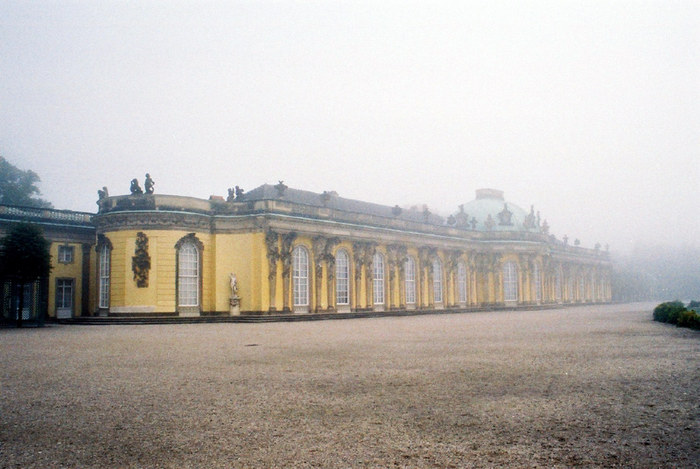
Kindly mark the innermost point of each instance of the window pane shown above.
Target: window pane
(437, 281)
(410, 272)
(342, 276)
(462, 280)
(378, 279)
(104, 276)
(300, 276)
(510, 282)
(188, 275)
(64, 293)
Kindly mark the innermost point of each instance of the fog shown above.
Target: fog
(587, 110)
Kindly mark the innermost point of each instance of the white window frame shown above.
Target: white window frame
(64, 293)
(342, 278)
(538, 282)
(410, 280)
(66, 254)
(572, 296)
(558, 286)
(378, 279)
(105, 271)
(188, 275)
(462, 282)
(510, 282)
(437, 281)
(300, 276)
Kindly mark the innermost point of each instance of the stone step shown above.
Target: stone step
(125, 318)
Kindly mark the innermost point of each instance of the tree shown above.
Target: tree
(24, 258)
(19, 187)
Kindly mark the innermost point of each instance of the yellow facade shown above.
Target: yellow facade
(170, 255)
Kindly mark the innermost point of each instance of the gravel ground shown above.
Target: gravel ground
(600, 386)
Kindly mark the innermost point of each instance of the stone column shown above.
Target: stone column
(390, 287)
(286, 255)
(402, 284)
(369, 279)
(318, 245)
(273, 256)
(358, 260)
(330, 271)
(330, 282)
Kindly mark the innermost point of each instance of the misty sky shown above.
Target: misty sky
(589, 110)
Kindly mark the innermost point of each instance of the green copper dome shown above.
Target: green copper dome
(491, 212)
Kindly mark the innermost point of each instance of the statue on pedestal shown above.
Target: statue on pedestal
(235, 300)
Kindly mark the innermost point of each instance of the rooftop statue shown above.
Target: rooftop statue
(135, 188)
(281, 187)
(102, 193)
(148, 184)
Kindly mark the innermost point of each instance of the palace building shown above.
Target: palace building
(277, 250)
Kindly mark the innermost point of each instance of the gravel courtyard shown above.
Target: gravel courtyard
(600, 386)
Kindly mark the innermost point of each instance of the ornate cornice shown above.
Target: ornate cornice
(120, 221)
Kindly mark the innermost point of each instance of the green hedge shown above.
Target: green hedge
(675, 312)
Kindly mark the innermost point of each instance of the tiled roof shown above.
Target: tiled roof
(333, 201)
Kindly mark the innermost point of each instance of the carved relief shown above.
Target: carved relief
(359, 259)
(273, 252)
(286, 253)
(129, 221)
(331, 243)
(141, 261)
(453, 258)
(317, 244)
(286, 257)
(273, 255)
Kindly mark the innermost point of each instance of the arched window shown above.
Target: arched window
(557, 285)
(538, 282)
(378, 279)
(300, 276)
(437, 281)
(188, 274)
(510, 281)
(571, 295)
(410, 280)
(342, 278)
(105, 270)
(462, 282)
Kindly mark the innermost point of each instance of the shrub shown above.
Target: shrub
(689, 318)
(668, 312)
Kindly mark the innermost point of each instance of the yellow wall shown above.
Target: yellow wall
(73, 270)
(245, 254)
(222, 255)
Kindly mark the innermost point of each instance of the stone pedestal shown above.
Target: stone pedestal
(235, 306)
